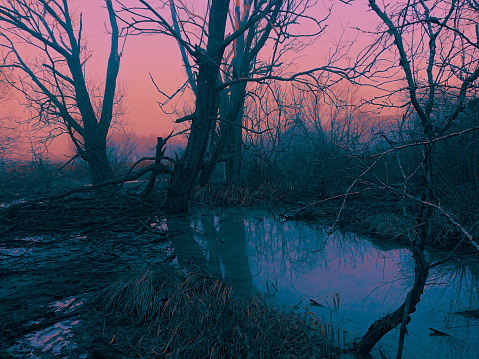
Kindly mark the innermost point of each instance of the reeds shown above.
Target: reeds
(233, 195)
(388, 226)
(197, 316)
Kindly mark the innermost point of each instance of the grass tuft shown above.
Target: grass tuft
(197, 316)
(389, 226)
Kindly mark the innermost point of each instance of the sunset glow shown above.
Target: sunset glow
(160, 56)
(262, 179)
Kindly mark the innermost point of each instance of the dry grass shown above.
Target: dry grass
(399, 229)
(233, 195)
(388, 226)
(200, 317)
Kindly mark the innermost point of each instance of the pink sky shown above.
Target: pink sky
(142, 55)
(160, 56)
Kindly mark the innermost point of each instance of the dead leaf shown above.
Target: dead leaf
(313, 303)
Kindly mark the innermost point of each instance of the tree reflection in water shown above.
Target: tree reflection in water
(215, 242)
(295, 262)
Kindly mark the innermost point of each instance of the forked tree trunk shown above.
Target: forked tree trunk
(187, 169)
(207, 97)
(231, 111)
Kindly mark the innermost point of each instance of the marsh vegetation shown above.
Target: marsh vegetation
(131, 248)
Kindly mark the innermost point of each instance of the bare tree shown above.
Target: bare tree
(243, 65)
(226, 58)
(46, 48)
(433, 58)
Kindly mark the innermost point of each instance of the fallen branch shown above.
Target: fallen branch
(118, 180)
(443, 212)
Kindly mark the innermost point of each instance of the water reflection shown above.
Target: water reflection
(216, 242)
(352, 279)
(55, 340)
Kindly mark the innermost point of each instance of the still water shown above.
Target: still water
(342, 278)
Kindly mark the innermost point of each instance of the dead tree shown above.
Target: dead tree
(231, 100)
(55, 84)
(220, 87)
(434, 56)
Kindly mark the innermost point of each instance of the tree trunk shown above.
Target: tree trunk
(99, 164)
(202, 125)
(179, 192)
(160, 151)
(382, 326)
(186, 171)
(231, 111)
(233, 164)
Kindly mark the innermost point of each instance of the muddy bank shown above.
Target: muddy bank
(98, 293)
(58, 268)
(48, 283)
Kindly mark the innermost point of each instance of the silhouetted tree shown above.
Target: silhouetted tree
(46, 48)
(434, 56)
(220, 87)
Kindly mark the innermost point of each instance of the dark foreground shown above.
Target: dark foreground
(107, 289)
(90, 277)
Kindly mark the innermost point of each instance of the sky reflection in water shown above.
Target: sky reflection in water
(294, 262)
(55, 340)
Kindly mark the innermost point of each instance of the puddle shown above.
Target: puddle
(66, 306)
(341, 278)
(45, 280)
(53, 340)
